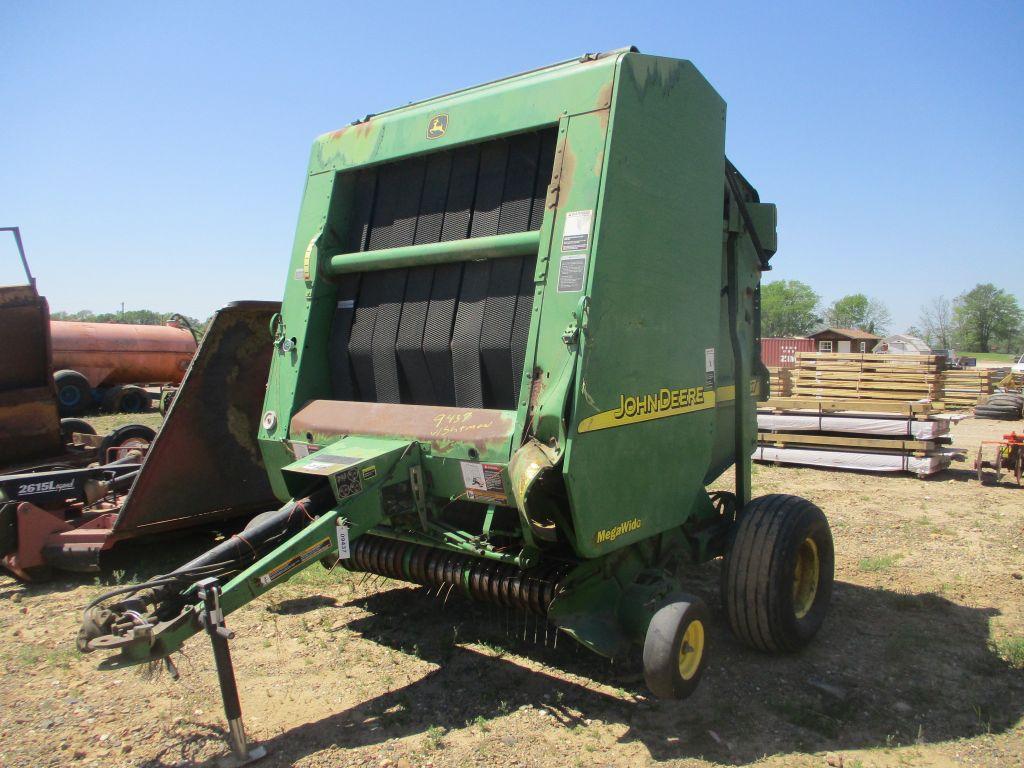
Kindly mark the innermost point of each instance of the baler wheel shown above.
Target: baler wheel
(675, 647)
(778, 572)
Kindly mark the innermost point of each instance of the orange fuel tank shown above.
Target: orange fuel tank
(113, 353)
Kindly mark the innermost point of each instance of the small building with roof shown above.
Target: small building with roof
(844, 340)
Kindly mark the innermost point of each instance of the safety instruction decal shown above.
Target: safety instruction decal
(572, 270)
(314, 552)
(709, 368)
(483, 482)
(347, 483)
(576, 232)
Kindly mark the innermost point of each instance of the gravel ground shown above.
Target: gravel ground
(921, 662)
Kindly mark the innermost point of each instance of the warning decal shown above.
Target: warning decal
(571, 273)
(576, 232)
(709, 368)
(314, 552)
(483, 482)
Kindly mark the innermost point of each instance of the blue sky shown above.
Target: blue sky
(155, 154)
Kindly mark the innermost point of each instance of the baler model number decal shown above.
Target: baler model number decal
(314, 552)
(49, 486)
(611, 534)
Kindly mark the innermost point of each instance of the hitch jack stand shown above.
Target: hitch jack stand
(242, 753)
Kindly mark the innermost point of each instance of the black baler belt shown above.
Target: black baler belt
(517, 197)
(461, 190)
(342, 384)
(385, 336)
(521, 323)
(398, 200)
(496, 332)
(415, 382)
(545, 166)
(434, 198)
(466, 335)
(360, 344)
(437, 332)
(489, 188)
(362, 209)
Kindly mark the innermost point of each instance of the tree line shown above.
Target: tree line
(983, 319)
(134, 317)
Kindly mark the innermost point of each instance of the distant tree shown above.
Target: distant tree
(986, 316)
(937, 323)
(860, 312)
(788, 308)
(133, 317)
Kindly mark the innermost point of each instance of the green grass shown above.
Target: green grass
(994, 357)
(878, 563)
(1011, 650)
(435, 737)
(104, 423)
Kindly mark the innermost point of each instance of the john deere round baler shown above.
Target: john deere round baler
(519, 338)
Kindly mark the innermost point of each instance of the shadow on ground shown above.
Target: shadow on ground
(128, 562)
(888, 668)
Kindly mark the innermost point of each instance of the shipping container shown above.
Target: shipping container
(781, 352)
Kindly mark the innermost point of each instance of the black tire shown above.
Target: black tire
(1002, 402)
(1005, 398)
(111, 399)
(128, 436)
(69, 426)
(74, 395)
(771, 604)
(673, 670)
(133, 400)
(999, 413)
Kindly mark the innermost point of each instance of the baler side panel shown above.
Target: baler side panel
(647, 331)
(299, 369)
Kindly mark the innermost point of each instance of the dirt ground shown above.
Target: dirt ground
(921, 662)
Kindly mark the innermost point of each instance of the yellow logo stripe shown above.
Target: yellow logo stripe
(659, 405)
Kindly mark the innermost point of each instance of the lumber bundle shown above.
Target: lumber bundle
(867, 376)
(967, 388)
(780, 382)
(854, 434)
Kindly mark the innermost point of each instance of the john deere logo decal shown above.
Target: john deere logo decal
(437, 126)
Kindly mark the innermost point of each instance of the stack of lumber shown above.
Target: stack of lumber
(965, 389)
(866, 376)
(780, 382)
(873, 436)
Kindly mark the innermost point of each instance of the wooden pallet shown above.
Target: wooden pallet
(834, 405)
(888, 444)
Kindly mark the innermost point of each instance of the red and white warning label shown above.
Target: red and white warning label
(483, 482)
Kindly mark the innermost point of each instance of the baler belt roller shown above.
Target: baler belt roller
(482, 580)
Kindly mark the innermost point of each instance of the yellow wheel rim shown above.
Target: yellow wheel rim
(805, 578)
(691, 650)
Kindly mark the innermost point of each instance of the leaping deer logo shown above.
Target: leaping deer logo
(437, 126)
